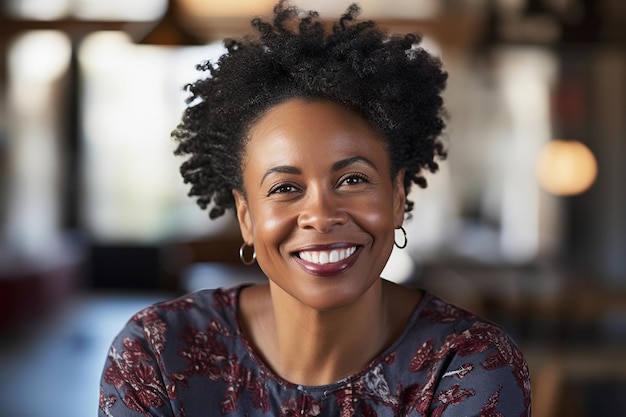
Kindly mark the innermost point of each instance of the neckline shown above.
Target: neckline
(333, 386)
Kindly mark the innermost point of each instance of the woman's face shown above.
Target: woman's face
(320, 205)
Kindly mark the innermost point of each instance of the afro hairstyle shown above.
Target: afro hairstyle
(388, 79)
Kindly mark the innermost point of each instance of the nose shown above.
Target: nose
(321, 211)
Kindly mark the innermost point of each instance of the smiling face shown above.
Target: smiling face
(320, 206)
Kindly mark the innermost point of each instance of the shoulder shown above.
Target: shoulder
(436, 310)
(471, 356)
(200, 321)
(447, 321)
(457, 331)
(200, 311)
(470, 331)
(192, 306)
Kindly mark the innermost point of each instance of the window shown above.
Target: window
(132, 99)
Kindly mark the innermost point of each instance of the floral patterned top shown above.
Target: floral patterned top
(189, 358)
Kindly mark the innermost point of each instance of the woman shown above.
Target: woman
(314, 138)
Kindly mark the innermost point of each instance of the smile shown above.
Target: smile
(326, 257)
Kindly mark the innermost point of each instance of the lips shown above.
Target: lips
(326, 262)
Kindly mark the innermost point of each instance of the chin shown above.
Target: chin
(333, 298)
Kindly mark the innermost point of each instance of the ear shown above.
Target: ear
(399, 198)
(243, 216)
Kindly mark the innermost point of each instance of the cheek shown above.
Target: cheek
(272, 227)
(378, 218)
(270, 230)
(274, 231)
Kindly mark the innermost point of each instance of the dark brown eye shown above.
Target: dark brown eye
(282, 189)
(354, 179)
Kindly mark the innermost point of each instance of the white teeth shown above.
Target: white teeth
(326, 257)
(323, 258)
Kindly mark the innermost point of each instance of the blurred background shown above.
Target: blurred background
(525, 223)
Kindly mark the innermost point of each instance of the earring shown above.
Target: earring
(403, 245)
(245, 261)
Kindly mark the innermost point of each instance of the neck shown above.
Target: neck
(312, 347)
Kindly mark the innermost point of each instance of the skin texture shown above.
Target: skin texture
(317, 178)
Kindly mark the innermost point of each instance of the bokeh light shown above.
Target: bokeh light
(566, 167)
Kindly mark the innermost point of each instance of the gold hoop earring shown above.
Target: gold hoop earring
(245, 261)
(405, 238)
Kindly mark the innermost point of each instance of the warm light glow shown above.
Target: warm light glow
(375, 8)
(326, 8)
(566, 167)
(220, 8)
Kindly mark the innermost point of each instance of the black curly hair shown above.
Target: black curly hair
(388, 79)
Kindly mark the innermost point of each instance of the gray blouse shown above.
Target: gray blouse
(189, 358)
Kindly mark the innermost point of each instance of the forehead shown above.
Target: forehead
(314, 128)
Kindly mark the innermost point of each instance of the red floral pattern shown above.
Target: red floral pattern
(187, 357)
(131, 370)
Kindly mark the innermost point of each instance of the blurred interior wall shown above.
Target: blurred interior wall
(596, 224)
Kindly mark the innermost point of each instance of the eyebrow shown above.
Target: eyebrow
(339, 165)
(281, 169)
(349, 161)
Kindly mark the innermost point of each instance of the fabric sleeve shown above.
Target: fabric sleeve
(486, 375)
(132, 384)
